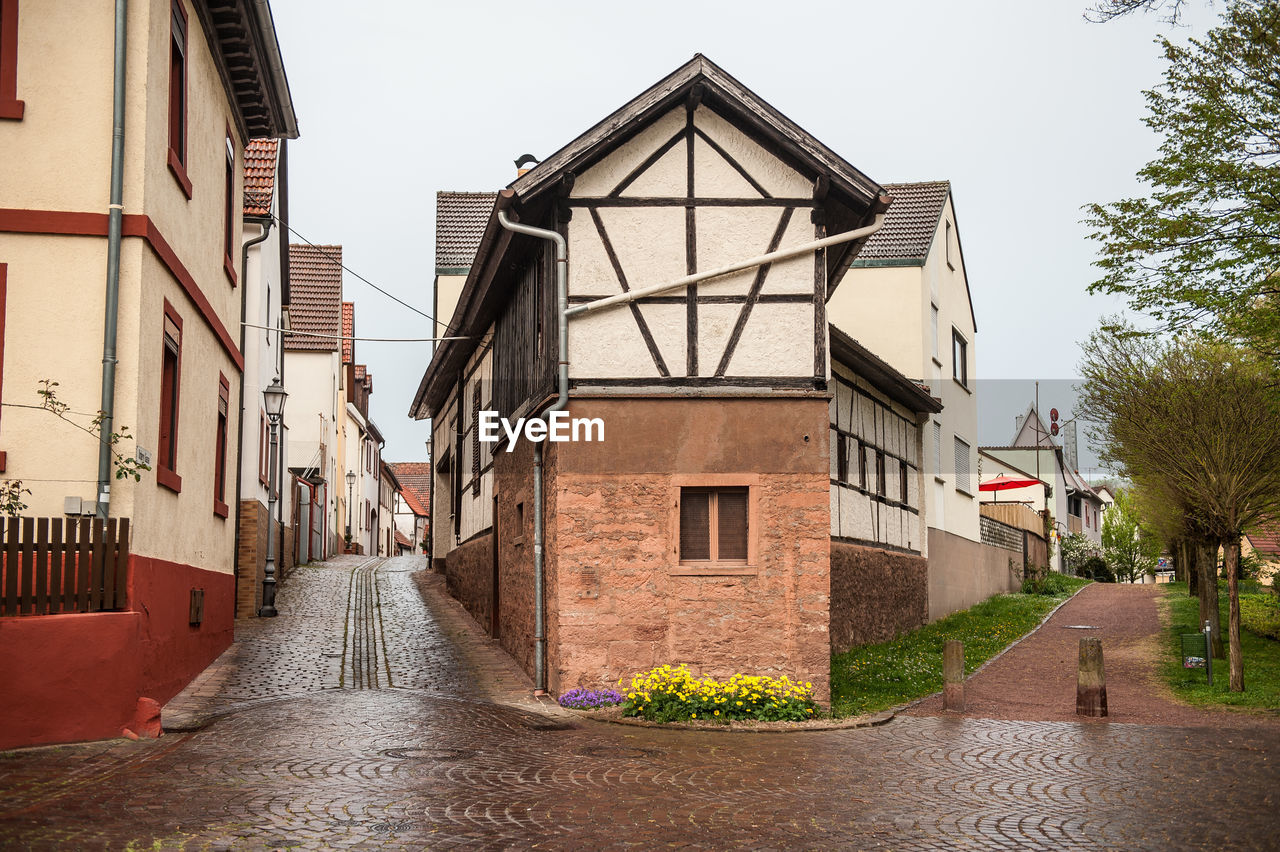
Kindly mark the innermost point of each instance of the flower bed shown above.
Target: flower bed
(590, 699)
(667, 694)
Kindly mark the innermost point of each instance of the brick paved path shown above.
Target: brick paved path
(432, 762)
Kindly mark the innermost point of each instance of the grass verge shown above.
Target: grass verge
(876, 677)
(1261, 659)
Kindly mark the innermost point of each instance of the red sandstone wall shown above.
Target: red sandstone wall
(875, 594)
(469, 577)
(513, 485)
(620, 601)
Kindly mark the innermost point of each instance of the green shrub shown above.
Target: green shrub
(1047, 582)
(1095, 568)
(1260, 614)
(667, 694)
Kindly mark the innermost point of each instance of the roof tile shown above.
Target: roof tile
(348, 332)
(259, 175)
(910, 222)
(415, 484)
(460, 222)
(315, 288)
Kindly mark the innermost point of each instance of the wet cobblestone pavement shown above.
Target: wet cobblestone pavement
(426, 763)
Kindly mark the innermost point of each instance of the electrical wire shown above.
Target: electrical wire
(293, 333)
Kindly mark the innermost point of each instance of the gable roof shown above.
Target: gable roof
(1033, 432)
(909, 224)
(315, 282)
(402, 540)
(889, 381)
(259, 175)
(348, 332)
(715, 87)
(847, 197)
(415, 484)
(460, 221)
(242, 39)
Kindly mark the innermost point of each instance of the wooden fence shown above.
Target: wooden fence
(52, 565)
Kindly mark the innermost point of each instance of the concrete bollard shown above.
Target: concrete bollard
(1091, 681)
(953, 675)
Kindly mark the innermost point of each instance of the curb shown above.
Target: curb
(869, 721)
(1033, 631)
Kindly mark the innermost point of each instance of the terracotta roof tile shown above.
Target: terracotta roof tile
(348, 331)
(460, 221)
(1266, 539)
(259, 175)
(402, 540)
(415, 484)
(315, 285)
(910, 223)
(361, 372)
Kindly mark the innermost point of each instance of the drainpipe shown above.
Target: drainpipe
(760, 260)
(265, 223)
(562, 402)
(115, 221)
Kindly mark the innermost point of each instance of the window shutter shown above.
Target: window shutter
(695, 524)
(731, 517)
(475, 439)
(963, 482)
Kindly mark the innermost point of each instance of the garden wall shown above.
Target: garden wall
(963, 572)
(875, 594)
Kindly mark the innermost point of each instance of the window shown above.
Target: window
(10, 106)
(178, 95)
(713, 524)
(881, 487)
(962, 468)
(220, 448)
(933, 328)
(842, 458)
(170, 387)
(475, 439)
(959, 358)
(902, 482)
(862, 466)
(937, 448)
(229, 214)
(950, 264)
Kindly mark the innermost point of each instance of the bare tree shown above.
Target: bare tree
(1109, 10)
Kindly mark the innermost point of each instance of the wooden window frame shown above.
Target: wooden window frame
(179, 94)
(903, 490)
(960, 362)
(882, 479)
(714, 568)
(842, 458)
(862, 465)
(10, 107)
(229, 213)
(223, 420)
(167, 474)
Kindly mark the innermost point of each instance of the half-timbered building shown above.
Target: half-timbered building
(699, 529)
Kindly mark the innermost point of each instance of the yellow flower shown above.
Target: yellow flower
(717, 712)
(693, 715)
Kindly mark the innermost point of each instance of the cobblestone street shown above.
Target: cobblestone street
(367, 716)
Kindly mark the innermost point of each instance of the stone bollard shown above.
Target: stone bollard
(953, 675)
(1091, 681)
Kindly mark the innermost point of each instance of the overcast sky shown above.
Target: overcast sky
(1028, 110)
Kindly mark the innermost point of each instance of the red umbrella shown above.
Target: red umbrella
(1004, 482)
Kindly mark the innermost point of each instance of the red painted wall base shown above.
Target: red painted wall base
(68, 678)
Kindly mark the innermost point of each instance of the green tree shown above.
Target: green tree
(1202, 248)
(1130, 550)
(1196, 421)
(1076, 550)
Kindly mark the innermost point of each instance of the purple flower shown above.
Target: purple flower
(589, 699)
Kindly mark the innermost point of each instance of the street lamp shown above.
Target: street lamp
(273, 400)
(351, 484)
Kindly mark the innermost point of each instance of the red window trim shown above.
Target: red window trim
(10, 107)
(229, 211)
(223, 422)
(177, 157)
(168, 476)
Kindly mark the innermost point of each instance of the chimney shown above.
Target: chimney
(524, 163)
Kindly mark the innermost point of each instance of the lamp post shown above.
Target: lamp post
(273, 397)
(351, 484)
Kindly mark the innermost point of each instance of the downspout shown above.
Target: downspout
(115, 221)
(265, 223)
(562, 402)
